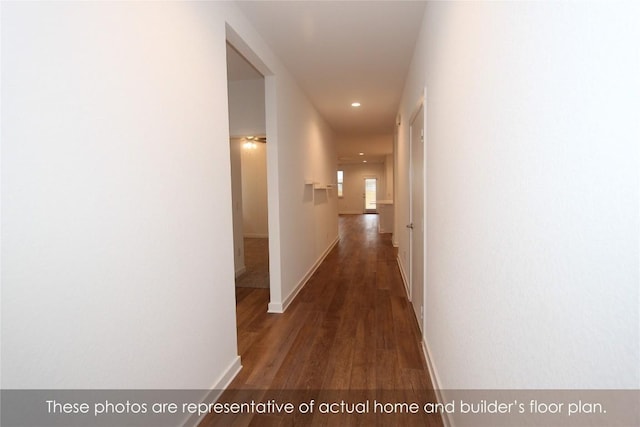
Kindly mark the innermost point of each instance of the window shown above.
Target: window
(340, 178)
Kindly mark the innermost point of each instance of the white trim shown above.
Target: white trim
(404, 277)
(275, 308)
(256, 235)
(273, 189)
(241, 271)
(435, 381)
(419, 106)
(216, 391)
(350, 213)
(271, 132)
(281, 307)
(364, 190)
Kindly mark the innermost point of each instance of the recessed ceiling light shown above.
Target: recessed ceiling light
(355, 104)
(360, 154)
(364, 161)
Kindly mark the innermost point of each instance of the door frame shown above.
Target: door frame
(273, 193)
(364, 192)
(419, 106)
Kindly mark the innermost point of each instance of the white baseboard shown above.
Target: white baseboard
(275, 308)
(281, 307)
(435, 379)
(350, 213)
(404, 277)
(216, 390)
(240, 271)
(256, 236)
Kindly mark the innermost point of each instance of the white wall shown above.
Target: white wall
(388, 182)
(246, 108)
(301, 145)
(116, 193)
(308, 217)
(532, 193)
(116, 221)
(237, 205)
(352, 201)
(254, 191)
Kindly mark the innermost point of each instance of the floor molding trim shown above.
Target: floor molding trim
(435, 380)
(404, 277)
(275, 308)
(241, 271)
(216, 391)
(282, 307)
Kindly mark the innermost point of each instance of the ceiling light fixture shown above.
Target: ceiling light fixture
(364, 161)
(360, 154)
(249, 143)
(355, 104)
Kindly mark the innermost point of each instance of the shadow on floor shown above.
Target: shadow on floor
(256, 260)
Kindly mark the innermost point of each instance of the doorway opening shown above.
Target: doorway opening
(247, 128)
(370, 195)
(417, 212)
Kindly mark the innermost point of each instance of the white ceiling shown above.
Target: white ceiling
(344, 51)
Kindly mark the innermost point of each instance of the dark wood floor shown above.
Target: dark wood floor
(349, 335)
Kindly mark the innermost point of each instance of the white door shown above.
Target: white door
(370, 198)
(417, 215)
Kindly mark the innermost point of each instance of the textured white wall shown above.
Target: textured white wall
(532, 192)
(236, 199)
(308, 218)
(246, 108)
(116, 222)
(388, 171)
(254, 191)
(118, 268)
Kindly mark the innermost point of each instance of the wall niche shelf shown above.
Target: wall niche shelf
(318, 185)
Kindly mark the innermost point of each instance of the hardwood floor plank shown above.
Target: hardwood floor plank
(302, 366)
(408, 341)
(272, 347)
(363, 373)
(254, 302)
(349, 335)
(384, 321)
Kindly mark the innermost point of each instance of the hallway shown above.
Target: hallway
(117, 199)
(350, 334)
